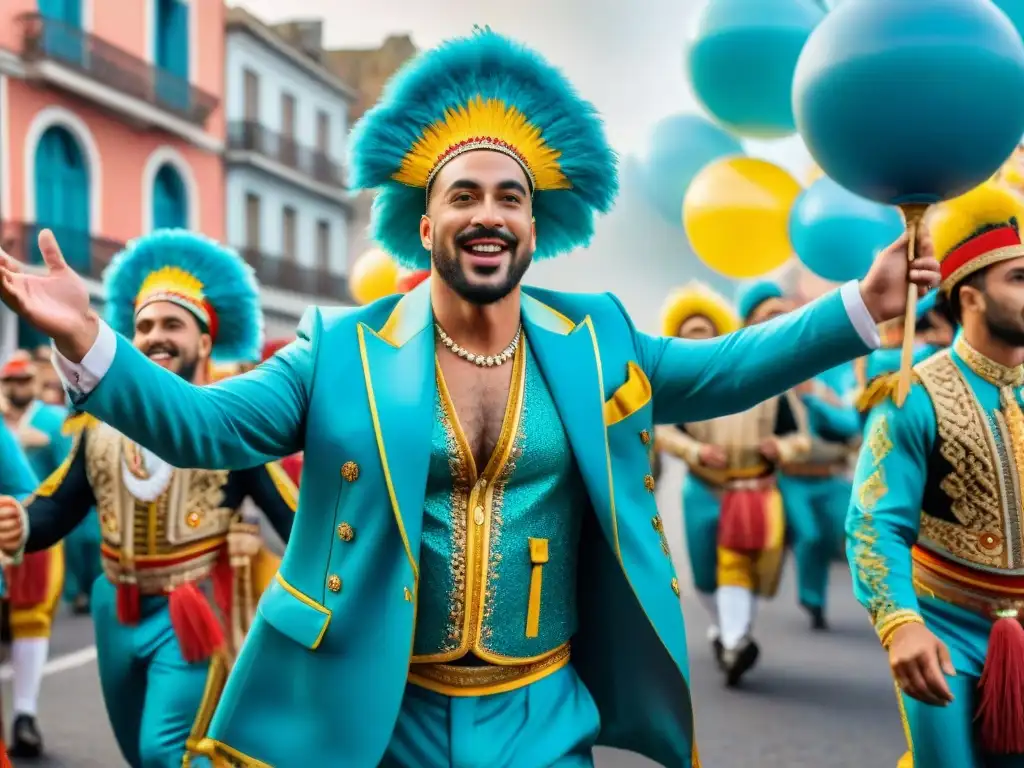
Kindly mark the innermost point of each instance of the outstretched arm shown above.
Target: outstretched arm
(698, 380)
(885, 512)
(237, 423)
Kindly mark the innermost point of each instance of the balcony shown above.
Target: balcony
(140, 93)
(86, 254)
(276, 272)
(248, 142)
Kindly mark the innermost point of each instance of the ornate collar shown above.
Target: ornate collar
(989, 370)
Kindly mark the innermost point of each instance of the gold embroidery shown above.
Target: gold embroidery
(879, 442)
(872, 568)
(989, 370)
(460, 507)
(872, 490)
(973, 486)
(453, 680)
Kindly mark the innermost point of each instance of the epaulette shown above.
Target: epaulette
(879, 388)
(78, 423)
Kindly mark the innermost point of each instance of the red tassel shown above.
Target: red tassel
(199, 633)
(743, 523)
(28, 582)
(1001, 704)
(129, 603)
(5, 759)
(223, 578)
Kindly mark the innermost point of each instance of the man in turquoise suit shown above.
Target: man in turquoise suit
(475, 576)
(36, 583)
(934, 529)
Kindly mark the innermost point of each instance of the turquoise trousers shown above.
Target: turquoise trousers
(815, 512)
(701, 508)
(151, 693)
(552, 723)
(944, 737)
(82, 557)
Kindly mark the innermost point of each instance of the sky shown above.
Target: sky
(626, 58)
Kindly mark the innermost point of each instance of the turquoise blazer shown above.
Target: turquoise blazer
(322, 673)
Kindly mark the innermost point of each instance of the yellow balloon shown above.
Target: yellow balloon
(736, 215)
(373, 276)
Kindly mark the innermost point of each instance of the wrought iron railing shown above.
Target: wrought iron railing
(283, 273)
(45, 39)
(85, 253)
(251, 136)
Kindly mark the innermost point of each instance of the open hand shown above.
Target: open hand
(920, 663)
(11, 525)
(885, 288)
(55, 303)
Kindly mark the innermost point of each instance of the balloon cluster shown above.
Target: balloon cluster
(868, 86)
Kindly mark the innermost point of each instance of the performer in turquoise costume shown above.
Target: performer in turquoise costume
(178, 590)
(816, 490)
(36, 583)
(934, 531)
(425, 613)
(697, 312)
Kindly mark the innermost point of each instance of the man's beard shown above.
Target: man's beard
(188, 365)
(1004, 324)
(20, 401)
(450, 269)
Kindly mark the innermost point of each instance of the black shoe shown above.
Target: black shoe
(817, 614)
(736, 662)
(80, 605)
(26, 740)
(717, 649)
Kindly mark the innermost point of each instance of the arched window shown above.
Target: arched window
(170, 199)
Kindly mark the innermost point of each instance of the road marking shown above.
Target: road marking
(54, 666)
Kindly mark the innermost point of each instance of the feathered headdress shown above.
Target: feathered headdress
(752, 295)
(196, 273)
(975, 230)
(483, 91)
(696, 299)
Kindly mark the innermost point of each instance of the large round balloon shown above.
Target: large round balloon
(904, 101)
(1014, 10)
(742, 58)
(736, 215)
(373, 276)
(837, 234)
(681, 145)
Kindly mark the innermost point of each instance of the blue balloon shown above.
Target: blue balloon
(681, 146)
(742, 59)
(837, 234)
(904, 101)
(1014, 10)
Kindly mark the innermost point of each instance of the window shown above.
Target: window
(287, 115)
(251, 96)
(323, 244)
(252, 222)
(288, 233)
(323, 133)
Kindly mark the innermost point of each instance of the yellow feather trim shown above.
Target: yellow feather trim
(956, 221)
(696, 299)
(173, 283)
(481, 122)
(877, 390)
(75, 425)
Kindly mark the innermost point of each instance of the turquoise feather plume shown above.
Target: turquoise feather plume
(229, 286)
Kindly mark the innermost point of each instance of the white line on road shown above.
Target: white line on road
(72, 660)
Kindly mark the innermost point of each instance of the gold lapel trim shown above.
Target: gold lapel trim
(378, 436)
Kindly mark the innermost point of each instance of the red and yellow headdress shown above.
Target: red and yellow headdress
(976, 230)
(697, 300)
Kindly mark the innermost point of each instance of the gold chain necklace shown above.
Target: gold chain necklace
(482, 360)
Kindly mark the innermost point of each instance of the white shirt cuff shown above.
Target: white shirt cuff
(859, 315)
(80, 379)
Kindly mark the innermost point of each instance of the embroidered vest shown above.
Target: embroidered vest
(498, 556)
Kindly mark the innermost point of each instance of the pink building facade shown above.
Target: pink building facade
(110, 124)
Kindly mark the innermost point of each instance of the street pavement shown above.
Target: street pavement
(821, 700)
